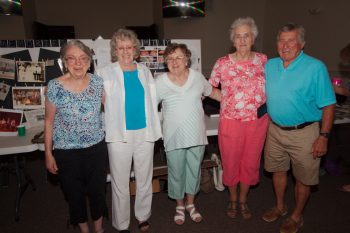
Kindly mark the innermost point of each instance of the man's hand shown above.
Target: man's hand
(319, 148)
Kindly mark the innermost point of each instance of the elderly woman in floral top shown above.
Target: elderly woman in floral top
(73, 127)
(242, 130)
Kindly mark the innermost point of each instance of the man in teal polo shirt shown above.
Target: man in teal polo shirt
(299, 96)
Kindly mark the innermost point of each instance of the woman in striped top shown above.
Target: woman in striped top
(180, 91)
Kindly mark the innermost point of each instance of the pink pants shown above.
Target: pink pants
(241, 144)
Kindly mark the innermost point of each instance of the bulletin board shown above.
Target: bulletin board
(26, 66)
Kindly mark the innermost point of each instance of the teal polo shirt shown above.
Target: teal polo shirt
(298, 93)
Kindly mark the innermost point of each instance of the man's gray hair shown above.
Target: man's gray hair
(293, 27)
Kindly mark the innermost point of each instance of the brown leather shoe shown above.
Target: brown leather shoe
(232, 209)
(246, 214)
(291, 226)
(273, 214)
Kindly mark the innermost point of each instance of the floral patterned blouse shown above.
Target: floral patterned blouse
(242, 86)
(78, 121)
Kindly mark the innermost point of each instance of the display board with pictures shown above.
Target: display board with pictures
(26, 64)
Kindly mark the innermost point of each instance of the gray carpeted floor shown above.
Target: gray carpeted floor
(45, 210)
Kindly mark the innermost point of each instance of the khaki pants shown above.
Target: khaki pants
(293, 147)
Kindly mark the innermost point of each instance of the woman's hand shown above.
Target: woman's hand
(50, 112)
(51, 164)
(341, 90)
(215, 94)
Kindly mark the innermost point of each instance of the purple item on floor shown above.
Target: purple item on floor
(331, 167)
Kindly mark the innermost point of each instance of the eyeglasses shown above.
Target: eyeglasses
(290, 42)
(128, 48)
(242, 37)
(172, 59)
(73, 60)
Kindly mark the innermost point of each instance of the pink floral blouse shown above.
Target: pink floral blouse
(242, 86)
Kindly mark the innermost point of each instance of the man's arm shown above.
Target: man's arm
(319, 148)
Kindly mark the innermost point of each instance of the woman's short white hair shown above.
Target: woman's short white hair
(244, 21)
(122, 35)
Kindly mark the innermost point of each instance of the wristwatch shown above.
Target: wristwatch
(326, 135)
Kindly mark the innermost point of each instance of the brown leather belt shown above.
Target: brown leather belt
(294, 127)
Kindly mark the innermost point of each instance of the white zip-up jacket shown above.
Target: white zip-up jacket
(114, 106)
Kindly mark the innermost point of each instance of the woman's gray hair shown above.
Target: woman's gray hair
(244, 21)
(293, 27)
(75, 43)
(124, 34)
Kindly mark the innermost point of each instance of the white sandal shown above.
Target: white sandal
(195, 215)
(179, 217)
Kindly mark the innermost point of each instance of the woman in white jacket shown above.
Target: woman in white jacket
(132, 127)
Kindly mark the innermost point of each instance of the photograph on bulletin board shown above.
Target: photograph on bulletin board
(9, 120)
(28, 97)
(152, 57)
(4, 90)
(34, 118)
(31, 72)
(7, 68)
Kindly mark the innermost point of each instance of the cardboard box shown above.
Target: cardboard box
(155, 186)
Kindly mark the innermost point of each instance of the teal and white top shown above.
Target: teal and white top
(183, 115)
(114, 106)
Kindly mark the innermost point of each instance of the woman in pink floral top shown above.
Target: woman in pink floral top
(241, 132)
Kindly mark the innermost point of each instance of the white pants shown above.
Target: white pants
(121, 156)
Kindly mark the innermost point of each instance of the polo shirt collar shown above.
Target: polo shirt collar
(295, 62)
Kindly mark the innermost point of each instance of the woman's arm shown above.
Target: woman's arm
(215, 94)
(103, 97)
(341, 90)
(50, 111)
